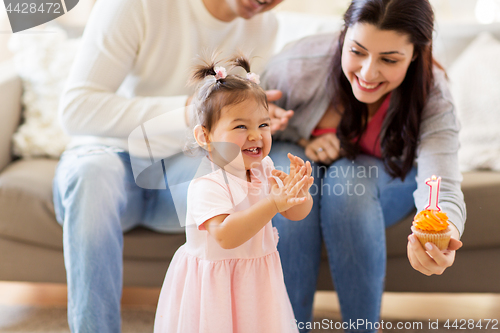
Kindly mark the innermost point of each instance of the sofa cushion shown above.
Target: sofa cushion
(26, 209)
(27, 214)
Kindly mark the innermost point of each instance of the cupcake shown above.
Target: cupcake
(432, 226)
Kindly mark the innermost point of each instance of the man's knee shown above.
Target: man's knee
(90, 181)
(92, 169)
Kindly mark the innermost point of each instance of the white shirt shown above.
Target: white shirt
(134, 61)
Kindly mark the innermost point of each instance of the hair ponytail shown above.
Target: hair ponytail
(240, 60)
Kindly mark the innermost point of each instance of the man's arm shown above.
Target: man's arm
(110, 45)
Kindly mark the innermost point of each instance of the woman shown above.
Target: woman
(373, 111)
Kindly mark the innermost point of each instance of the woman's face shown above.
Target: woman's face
(375, 61)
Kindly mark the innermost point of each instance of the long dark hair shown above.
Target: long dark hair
(399, 135)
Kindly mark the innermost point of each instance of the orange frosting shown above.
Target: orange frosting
(431, 220)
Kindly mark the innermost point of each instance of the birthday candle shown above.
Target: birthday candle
(433, 182)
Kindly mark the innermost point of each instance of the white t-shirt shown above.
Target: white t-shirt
(134, 61)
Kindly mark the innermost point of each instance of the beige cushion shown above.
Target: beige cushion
(27, 213)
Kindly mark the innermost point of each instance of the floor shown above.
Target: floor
(395, 306)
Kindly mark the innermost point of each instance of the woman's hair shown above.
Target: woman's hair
(399, 136)
(215, 91)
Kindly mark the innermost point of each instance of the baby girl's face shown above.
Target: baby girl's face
(247, 125)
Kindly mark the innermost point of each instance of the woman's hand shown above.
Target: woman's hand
(279, 117)
(434, 261)
(323, 149)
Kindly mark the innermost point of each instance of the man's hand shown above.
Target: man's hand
(279, 116)
(430, 260)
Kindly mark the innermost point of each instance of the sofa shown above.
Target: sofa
(31, 240)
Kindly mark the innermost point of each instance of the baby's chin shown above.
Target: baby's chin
(255, 163)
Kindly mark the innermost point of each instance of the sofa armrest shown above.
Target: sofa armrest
(10, 109)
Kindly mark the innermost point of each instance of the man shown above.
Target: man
(133, 66)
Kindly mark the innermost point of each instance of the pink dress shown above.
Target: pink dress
(215, 290)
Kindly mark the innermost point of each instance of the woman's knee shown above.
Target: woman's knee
(347, 180)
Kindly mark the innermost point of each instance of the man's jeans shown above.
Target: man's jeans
(354, 201)
(96, 199)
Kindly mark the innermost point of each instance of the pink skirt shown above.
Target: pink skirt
(224, 296)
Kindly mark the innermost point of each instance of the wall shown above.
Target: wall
(457, 11)
(445, 10)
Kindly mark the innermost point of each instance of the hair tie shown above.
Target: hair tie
(220, 73)
(253, 77)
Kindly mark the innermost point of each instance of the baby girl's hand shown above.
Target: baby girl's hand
(296, 163)
(288, 196)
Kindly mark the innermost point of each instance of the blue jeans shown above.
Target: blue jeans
(354, 201)
(96, 199)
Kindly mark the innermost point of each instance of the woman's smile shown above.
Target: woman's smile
(367, 87)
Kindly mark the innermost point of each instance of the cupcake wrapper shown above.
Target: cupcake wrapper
(441, 238)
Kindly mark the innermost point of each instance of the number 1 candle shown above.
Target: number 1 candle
(433, 182)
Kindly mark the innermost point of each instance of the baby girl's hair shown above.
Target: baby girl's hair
(216, 90)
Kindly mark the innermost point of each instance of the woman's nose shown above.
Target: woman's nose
(369, 70)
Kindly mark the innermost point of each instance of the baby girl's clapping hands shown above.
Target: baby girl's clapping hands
(295, 189)
(296, 163)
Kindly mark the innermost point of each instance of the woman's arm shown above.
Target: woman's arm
(437, 154)
(300, 73)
